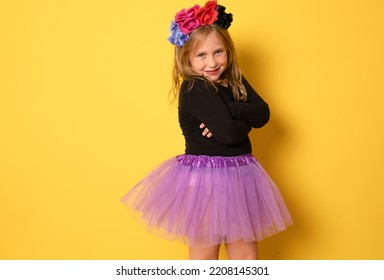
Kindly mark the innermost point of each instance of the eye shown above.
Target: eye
(201, 55)
(219, 52)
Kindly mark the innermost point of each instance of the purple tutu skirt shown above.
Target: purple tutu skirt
(209, 200)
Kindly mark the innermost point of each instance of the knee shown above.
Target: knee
(211, 253)
(242, 251)
(203, 257)
(248, 255)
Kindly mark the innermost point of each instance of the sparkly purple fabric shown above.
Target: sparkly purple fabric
(215, 161)
(208, 200)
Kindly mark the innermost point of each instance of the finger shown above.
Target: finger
(202, 125)
(209, 135)
(205, 132)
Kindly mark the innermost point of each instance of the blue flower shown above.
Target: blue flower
(176, 37)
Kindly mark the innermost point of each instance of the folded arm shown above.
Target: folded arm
(206, 105)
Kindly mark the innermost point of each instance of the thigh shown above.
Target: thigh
(241, 250)
(209, 253)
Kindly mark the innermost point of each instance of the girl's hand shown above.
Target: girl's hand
(206, 131)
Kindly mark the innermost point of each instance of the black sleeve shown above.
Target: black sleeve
(255, 110)
(203, 102)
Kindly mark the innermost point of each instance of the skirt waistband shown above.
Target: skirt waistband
(215, 161)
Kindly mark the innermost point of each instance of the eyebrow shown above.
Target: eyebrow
(204, 52)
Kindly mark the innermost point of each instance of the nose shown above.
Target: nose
(212, 63)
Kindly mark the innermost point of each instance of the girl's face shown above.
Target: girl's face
(209, 58)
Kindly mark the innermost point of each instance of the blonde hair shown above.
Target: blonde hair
(182, 69)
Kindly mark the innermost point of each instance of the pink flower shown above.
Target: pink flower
(186, 20)
(207, 14)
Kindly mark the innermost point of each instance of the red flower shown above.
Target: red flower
(207, 14)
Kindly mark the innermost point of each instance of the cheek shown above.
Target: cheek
(224, 60)
(195, 64)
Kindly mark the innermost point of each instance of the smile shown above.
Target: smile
(212, 72)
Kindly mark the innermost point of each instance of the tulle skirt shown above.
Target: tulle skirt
(209, 200)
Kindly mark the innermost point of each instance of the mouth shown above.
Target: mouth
(212, 72)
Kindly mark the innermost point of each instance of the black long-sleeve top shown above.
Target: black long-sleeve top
(228, 120)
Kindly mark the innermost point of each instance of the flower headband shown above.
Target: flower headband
(187, 20)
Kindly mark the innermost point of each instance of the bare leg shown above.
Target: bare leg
(210, 253)
(241, 250)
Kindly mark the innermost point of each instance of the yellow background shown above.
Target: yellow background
(84, 115)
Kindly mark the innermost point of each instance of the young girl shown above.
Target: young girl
(217, 192)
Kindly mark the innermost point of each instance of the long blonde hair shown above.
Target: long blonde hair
(182, 69)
